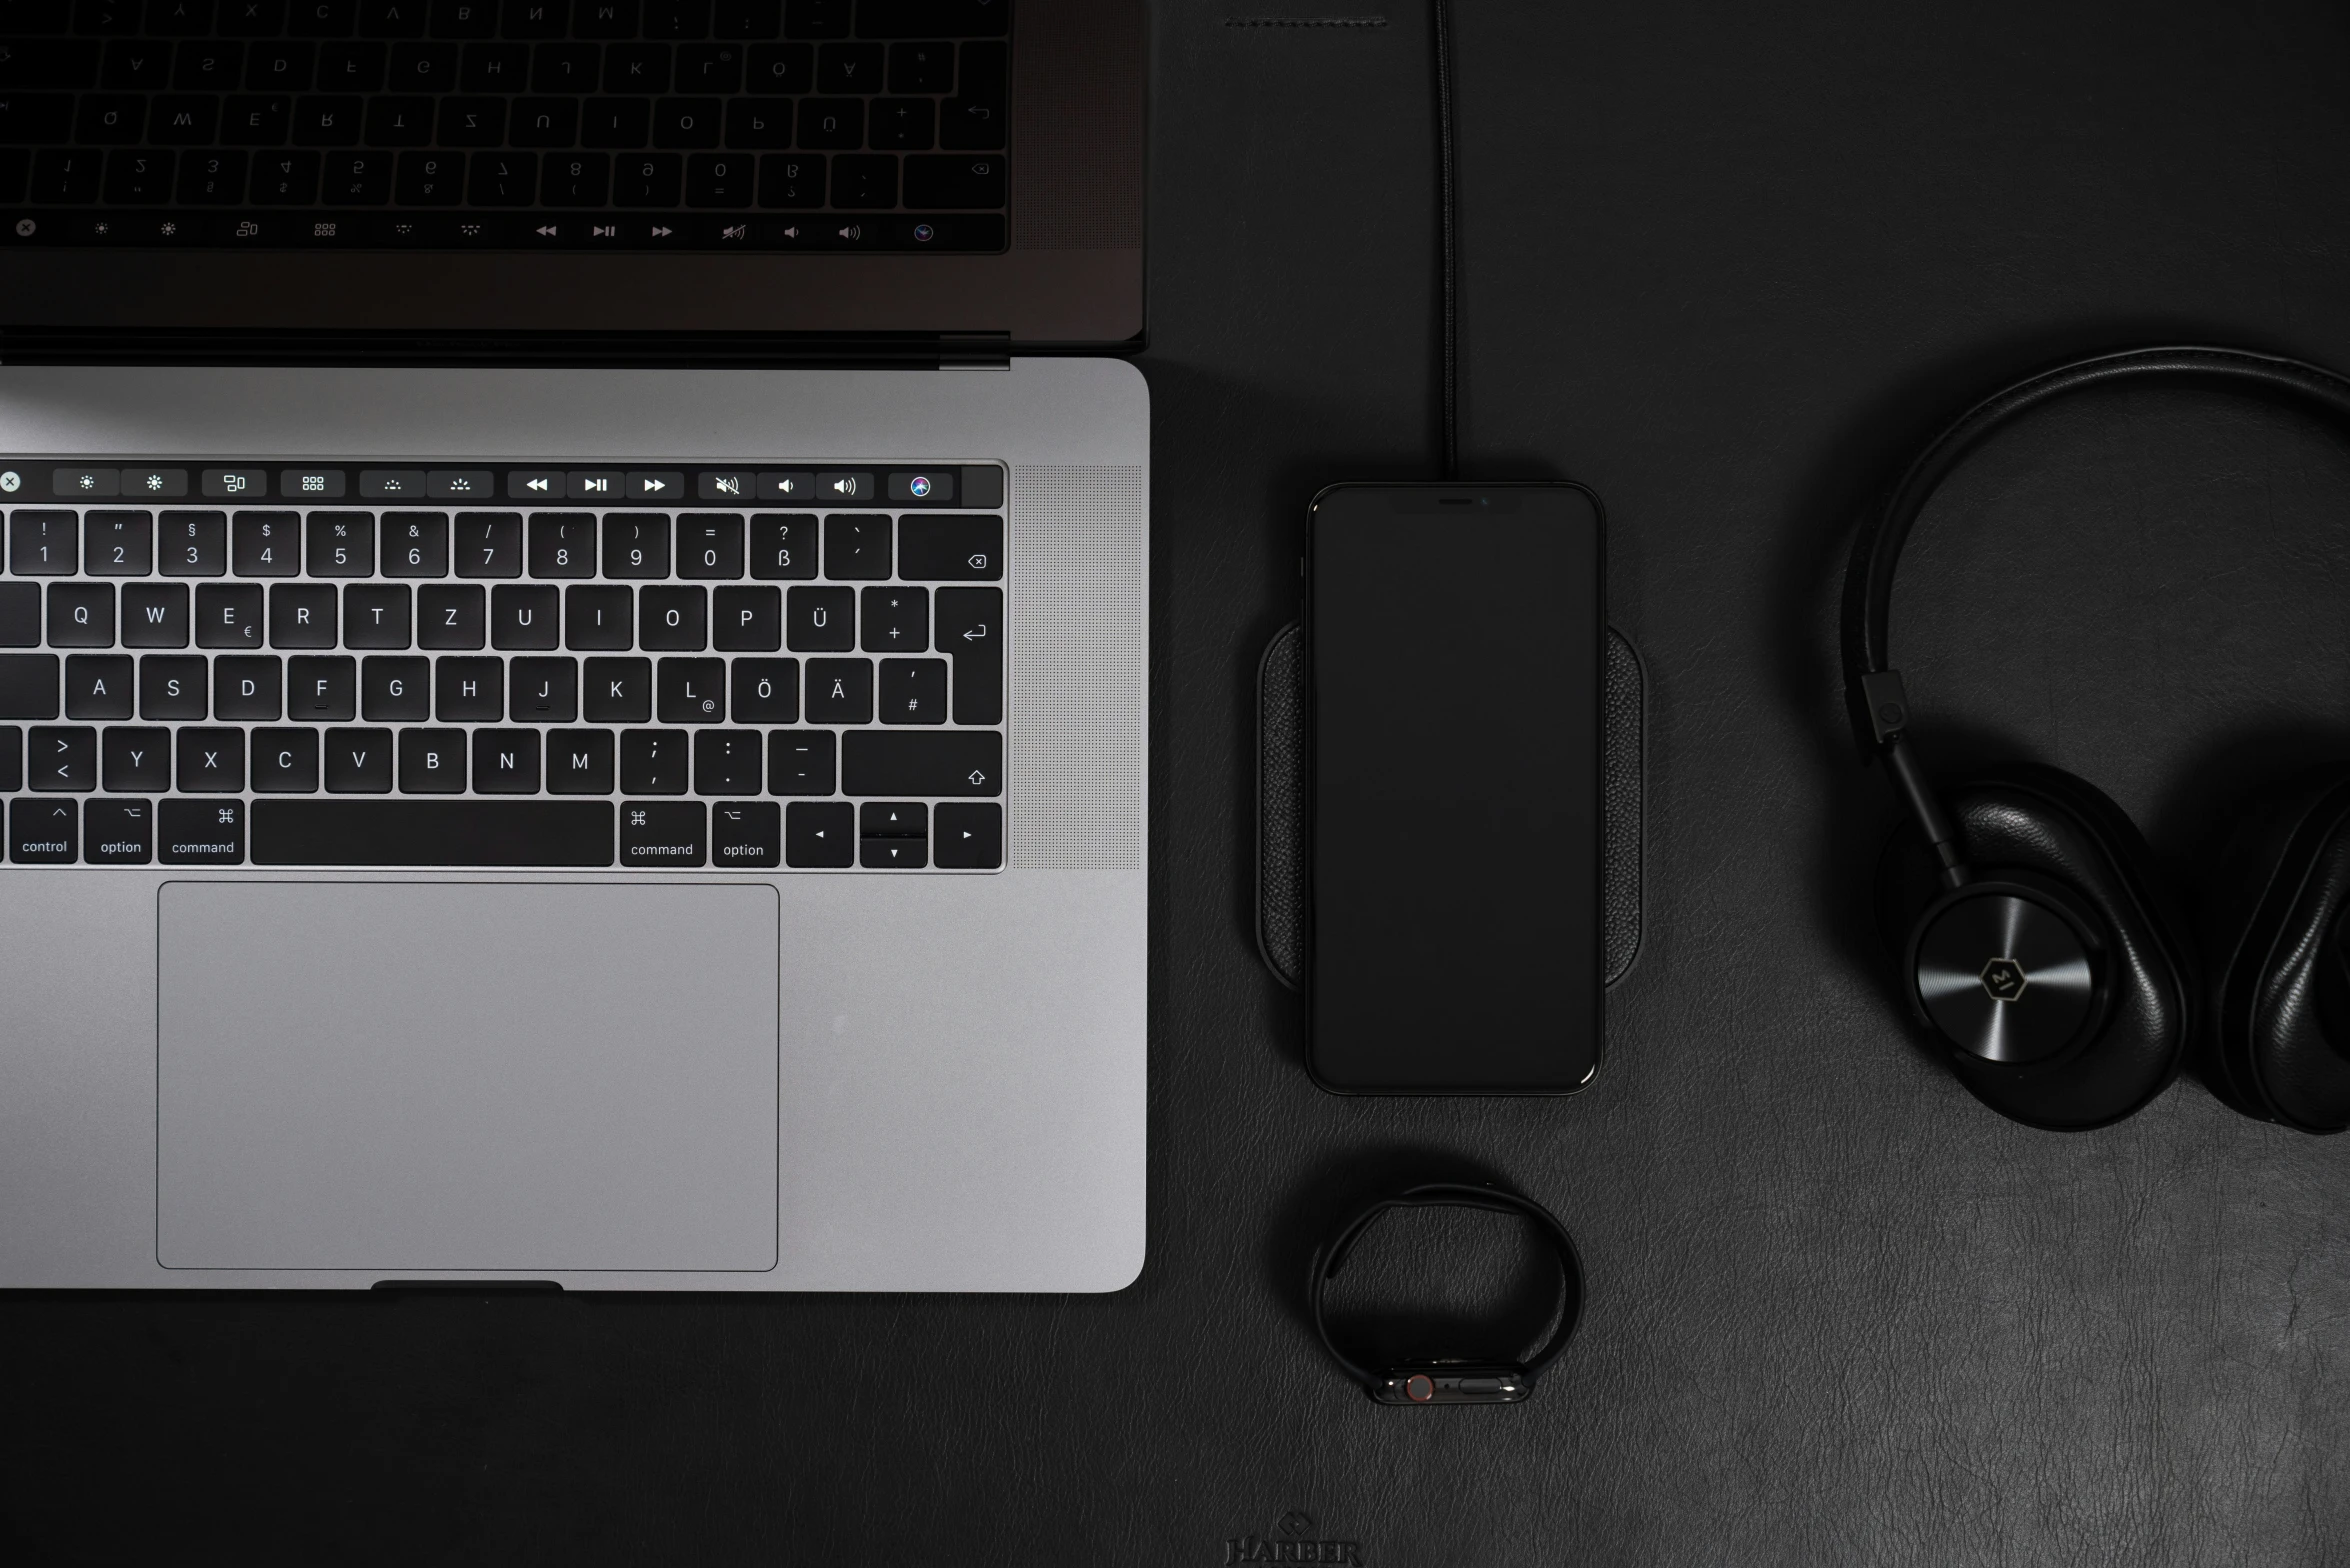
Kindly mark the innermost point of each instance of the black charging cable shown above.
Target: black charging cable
(1450, 1380)
(1447, 270)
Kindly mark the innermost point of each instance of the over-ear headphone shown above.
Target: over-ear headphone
(2032, 931)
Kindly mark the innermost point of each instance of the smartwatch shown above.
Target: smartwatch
(1448, 1380)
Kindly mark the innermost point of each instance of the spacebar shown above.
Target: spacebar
(432, 832)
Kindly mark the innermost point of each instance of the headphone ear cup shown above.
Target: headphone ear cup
(2043, 827)
(2280, 1000)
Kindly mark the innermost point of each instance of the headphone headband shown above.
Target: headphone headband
(1868, 599)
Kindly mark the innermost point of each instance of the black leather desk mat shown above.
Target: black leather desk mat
(1722, 261)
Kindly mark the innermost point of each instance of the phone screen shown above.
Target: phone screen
(1454, 639)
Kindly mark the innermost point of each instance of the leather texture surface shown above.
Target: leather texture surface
(1726, 264)
(2050, 826)
(1284, 912)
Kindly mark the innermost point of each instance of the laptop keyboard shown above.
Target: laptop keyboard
(503, 666)
(775, 125)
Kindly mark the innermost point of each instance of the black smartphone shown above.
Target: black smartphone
(1454, 648)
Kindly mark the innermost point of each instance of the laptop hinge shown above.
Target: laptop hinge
(669, 350)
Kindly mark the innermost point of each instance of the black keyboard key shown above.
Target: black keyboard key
(974, 119)
(322, 689)
(320, 18)
(212, 178)
(248, 687)
(728, 762)
(469, 691)
(933, 763)
(710, 546)
(201, 832)
(28, 685)
(342, 544)
(934, 18)
(254, 18)
(44, 832)
(746, 18)
(135, 761)
(20, 615)
(795, 181)
(687, 122)
(600, 618)
(302, 615)
(832, 122)
(193, 544)
(636, 68)
(840, 691)
(285, 762)
(543, 122)
(766, 691)
(43, 543)
(489, 544)
(432, 762)
(570, 70)
(783, 546)
(822, 620)
(653, 762)
(118, 832)
(865, 180)
(267, 544)
(913, 691)
(206, 66)
(922, 68)
(968, 836)
(288, 179)
(904, 125)
(504, 179)
(228, 615)
(748, 620)
(746, 834)
(648, 179)
(416, 544)
(856, 547)
(801, 762)
(658, 833)
(395, 690)
(618, 691)
(505, 762)
(465, 19)
(758, 124)
(970, 624)
(98, 686)
(375, 615)
(327, 832)
(174, 687)
(66, 177)
(636, 546)
(893, 819)
(119, 544)
(526, 616)
(673, 620)
(897, 620)
(893, 854)
(423, 68)
(543, 691)
(933, 547)
(617, 123)
(11, 757)
(359, 762)
(154, 615)
(562, 544)
(247, 121)
(211, 760)
(784, 69)
(327, 120)
(452, 617)
(721, 179)
(280, 66)
(819, 835)
(849, 68)
(691, 691)
(81, 615)
(184, 120)
(579, 762)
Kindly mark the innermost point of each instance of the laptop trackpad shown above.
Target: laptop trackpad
(524, 1078)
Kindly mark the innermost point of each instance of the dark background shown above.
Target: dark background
(1723, 263)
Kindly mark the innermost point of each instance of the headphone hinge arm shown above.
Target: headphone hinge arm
(1888, 709)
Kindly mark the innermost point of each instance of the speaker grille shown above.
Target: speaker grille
(1080, 666)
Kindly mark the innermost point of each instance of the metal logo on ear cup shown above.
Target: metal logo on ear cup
(2005, 979)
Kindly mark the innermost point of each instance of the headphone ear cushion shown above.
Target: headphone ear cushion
(2048, 825)
(2277, 893)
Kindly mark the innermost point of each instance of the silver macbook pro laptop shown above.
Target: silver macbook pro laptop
(573, 645)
